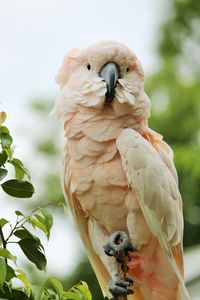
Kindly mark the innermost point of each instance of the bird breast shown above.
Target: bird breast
(95, 172)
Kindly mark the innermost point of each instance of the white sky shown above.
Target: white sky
(35, 35)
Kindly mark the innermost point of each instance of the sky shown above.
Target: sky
(34, 37)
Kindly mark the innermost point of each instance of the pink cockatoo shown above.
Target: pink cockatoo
(118, 174)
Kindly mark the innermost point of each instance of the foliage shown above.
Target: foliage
(20, 233)
(174, 92)
(17, 187)
(53, 289)
(86, 273)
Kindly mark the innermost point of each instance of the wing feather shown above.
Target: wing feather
(155, 186)
(157, 192)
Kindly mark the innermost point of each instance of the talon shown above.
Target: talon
(130, 281)
(119, 287)
(107, 250)
(118, 245)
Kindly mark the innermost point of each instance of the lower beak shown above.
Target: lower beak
(110, 73)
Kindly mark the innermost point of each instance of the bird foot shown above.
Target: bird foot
(119, 287)
(118, 245)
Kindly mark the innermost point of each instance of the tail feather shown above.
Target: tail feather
(182, 293)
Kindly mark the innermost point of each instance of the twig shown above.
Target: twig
(12, 230)
(3, 242)
(2, 238)
(24, 220)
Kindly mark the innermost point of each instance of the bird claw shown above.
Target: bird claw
(118, 245)
(119, 287)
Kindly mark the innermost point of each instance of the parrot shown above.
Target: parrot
(118, 174)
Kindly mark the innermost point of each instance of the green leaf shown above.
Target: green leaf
(83, 287)
(18, 188)
(24, 233)
(6, 140)
(19, 213)
(3, 157)
(4, 129)
(22, 276)
(6, 254)
(79, 292)
(48, 220)
(9, 293)
(10, 273)
(19, 172)
(38, 224)
(2, 117)
(20, 169)
(2, 272)
(38, 291)
(56, 286)
(30, 248)
(73, 296)
(40, 218)
(9, 153)
(44, 222)
(3, 222)
(3, 173)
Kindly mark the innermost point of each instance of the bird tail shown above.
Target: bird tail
(182, 292)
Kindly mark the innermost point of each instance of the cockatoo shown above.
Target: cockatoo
(118, 174)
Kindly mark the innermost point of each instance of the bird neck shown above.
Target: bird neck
(101, 125)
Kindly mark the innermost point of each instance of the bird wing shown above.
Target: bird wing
(81, 220)
(151, 174)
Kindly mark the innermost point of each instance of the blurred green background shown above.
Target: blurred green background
(174, 89)
(175, 93)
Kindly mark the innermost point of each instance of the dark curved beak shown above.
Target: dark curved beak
(110, 73)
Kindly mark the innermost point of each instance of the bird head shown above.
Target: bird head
(106, 74)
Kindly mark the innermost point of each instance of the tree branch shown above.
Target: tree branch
(2, 238)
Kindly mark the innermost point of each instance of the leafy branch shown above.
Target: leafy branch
(21, 234)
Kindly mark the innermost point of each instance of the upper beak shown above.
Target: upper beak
(110, 73)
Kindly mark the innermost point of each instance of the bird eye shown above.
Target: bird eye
(127, 69)
(89, 67)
